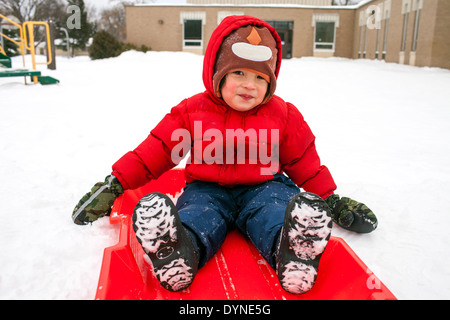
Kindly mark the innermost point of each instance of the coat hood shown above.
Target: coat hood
(229, 25)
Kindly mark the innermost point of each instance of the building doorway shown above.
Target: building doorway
(285, 31)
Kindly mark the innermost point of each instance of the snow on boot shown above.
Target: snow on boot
(162, 236)
(304, 236)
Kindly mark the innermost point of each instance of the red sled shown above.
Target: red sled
(237, 271)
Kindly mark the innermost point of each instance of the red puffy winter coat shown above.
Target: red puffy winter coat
(229, 147)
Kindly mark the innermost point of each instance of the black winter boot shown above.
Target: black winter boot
(162, 236)
(304, 236)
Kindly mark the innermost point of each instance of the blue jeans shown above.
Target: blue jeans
(208, 211)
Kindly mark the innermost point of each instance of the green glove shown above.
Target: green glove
(98, 202)
(352, 215)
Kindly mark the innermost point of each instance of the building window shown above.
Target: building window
(362, 27)
(192, 35)
(418, 7)
(366, 34)
(405, 26)
(377, 52)
(325, 31)
(386, 30)
(285, 30)
(192, 23)
(361, 31)
(324, 36)
(386, 17)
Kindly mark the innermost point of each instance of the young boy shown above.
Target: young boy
(251, 152)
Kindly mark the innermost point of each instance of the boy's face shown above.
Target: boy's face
(243, 90)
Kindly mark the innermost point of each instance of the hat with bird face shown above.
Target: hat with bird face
(251, 48)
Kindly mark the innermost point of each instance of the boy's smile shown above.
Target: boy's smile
(243, 90)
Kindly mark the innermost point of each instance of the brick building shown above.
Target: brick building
(414, 32)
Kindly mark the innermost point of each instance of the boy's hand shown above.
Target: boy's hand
(352, 215)
(98, 202)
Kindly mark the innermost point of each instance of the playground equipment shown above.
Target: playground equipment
(26, 42)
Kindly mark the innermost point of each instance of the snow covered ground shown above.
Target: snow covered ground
(382, 129)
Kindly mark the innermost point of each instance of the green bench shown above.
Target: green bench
(27, 73)
(5, 73)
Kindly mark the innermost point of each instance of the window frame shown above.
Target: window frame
(186, 41)
(333, 44)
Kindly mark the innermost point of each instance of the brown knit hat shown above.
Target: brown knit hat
(250, 48)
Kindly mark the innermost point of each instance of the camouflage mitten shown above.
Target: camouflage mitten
(352, 215)
(98, 202)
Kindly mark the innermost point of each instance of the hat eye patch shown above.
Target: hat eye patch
(251, 52)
